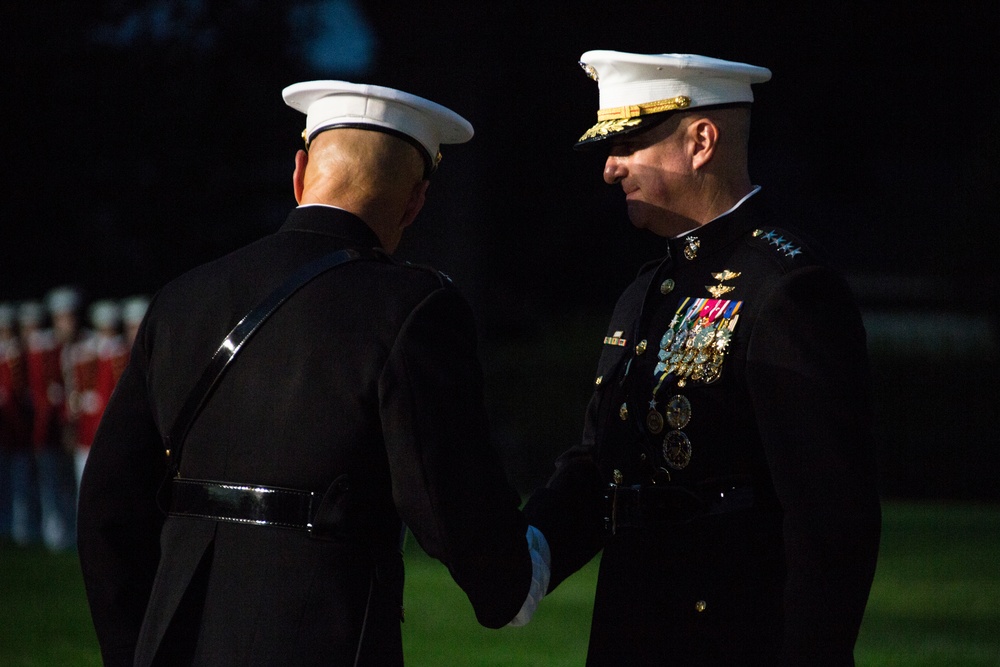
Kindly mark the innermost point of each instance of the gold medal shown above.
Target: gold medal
(677, 450)
(678, 411)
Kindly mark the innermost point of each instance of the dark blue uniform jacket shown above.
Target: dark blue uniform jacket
(366, 381)
(758, 545)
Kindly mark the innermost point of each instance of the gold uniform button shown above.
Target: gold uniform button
(641, 347)
(667, 286)
(623, 411)
(700, 606)
(599, 380)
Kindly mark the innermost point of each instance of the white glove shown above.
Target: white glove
(541, 566)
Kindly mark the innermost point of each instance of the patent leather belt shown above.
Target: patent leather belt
(651, 506)
(250, 504)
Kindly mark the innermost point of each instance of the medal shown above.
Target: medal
(668, 338)
(678, 411)
(654, 422)
(711, 374)
(698, 341)
(677, 450)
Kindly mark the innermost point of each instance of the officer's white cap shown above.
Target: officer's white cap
(332, 104)
(134, 309)
(634, 86)
(105, 314)
(64, 300)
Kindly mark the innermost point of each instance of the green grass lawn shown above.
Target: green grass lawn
(936, 601)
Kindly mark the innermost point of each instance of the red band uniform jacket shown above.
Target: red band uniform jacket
(365, 385)
(761, 546)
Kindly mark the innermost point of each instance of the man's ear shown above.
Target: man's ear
(299, 175)
(704, 137)
(416, 202)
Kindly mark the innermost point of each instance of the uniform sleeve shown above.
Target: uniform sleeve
(808, 377)
(119, 523)
(448, 483)
(569, 509)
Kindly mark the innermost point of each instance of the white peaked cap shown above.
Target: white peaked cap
(105, 313)
(633, 86)
(331, 104)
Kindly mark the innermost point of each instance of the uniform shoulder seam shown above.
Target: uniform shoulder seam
(443, 278)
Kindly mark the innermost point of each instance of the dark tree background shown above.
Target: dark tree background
(142, 138)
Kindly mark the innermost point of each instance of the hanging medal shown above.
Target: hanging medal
(677, 448)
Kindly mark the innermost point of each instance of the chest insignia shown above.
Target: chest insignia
(615, 340)
(691, 246)
(720, 289)
(694, 345)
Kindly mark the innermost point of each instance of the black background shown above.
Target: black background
(128, 163)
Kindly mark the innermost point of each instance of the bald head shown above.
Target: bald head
(376, 176)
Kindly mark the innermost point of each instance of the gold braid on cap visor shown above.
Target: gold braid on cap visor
(616, 119)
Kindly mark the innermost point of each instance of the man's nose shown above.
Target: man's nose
(614, 170)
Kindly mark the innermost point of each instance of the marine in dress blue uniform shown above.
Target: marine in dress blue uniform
(727, 465)
(356, 407)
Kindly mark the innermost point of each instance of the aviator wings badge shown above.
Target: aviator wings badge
(718, 290)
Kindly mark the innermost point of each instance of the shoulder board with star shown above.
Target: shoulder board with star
(780, 243)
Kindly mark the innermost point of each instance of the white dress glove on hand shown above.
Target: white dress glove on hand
(541, 566)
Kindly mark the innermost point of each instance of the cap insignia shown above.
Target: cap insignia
(589, 69)
(606, 127)
(615, 119)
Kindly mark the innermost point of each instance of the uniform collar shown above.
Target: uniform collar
(331, 221)
(722, 230)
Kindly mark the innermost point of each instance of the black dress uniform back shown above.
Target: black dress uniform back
(356, 407)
